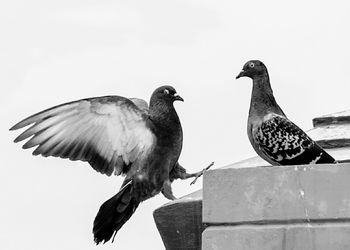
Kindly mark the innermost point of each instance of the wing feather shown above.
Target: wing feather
(46, 113)
(109, 132)
(285, 143)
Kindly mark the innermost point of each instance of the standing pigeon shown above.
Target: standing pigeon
(116, 135)
(275, 138)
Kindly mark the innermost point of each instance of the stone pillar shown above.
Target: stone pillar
(265, 208)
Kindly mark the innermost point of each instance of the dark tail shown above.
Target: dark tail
(114, 213)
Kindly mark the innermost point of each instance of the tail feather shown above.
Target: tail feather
(114, 213)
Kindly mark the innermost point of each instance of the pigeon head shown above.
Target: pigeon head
(166, 94)
(253, 69)
(162, 110)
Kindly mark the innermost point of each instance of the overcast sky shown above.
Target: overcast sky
(53, 52)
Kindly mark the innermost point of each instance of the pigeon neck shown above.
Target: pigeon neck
(262, 101)
(164, 115)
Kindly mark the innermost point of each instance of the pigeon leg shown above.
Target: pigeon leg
(167, 191)
(199, 174)
(180, 173)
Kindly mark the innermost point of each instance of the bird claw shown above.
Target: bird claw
(199, 174)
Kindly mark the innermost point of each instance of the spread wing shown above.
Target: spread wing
(285, 143)
(141, 104)
(109, 132)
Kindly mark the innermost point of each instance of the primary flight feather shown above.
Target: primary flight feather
(273, 136)
(116, 135)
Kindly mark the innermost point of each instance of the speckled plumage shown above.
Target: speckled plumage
(286, 144)
(115, 135)
(273, 136)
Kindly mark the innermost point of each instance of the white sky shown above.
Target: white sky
(53, 52)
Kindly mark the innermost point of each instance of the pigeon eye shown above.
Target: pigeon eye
(166, 91)
(251, 65)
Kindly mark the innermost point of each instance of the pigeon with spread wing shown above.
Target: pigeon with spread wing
(273, 136)
(115, 135)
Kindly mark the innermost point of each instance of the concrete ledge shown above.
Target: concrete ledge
(180, 222)
(263, 194)
(277, 237)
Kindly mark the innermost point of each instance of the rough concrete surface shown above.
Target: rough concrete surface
(278, 237)
(295, 193)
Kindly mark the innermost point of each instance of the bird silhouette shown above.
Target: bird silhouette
(273, 136)
(116, 135)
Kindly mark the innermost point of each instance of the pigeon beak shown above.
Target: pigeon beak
(178, 98)
(240, 74)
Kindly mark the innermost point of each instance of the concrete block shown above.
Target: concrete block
(180, 222)
(262, 194)
(278, 237)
